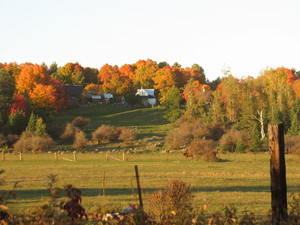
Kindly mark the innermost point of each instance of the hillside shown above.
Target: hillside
(148, 123)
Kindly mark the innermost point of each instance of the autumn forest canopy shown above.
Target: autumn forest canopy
(234, 104)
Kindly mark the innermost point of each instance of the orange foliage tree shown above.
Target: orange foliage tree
(29, 76)
(143, 73)
(42, 91)
(112, 80)
(164, 79)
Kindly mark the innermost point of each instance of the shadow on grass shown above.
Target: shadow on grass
(93, 192)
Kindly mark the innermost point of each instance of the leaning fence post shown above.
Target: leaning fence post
(278, 173)
(138, 185)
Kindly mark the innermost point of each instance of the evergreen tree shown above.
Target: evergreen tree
(295, 125)
(240, 147)
(256, 144)
(31, 123)
(40, 128)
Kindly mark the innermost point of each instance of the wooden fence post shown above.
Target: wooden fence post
(123, 156)
(278, 173)
(21, 156)
(103, 192)
(74, 156)
(106, 156)
(138, 185)
(3, 155)
(55, 156)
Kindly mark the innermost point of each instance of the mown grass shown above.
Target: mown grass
(242, 179)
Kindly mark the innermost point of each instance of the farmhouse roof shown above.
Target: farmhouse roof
(145, 92)
(108, 95)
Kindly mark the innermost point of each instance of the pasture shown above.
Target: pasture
(241, 179)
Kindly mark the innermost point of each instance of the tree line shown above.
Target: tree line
(235, 104)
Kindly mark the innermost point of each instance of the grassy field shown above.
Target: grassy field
(242, 179)
(148, 121)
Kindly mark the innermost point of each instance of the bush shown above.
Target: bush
(80, 141)
(106, 133)
(204, 148)
(230, 141)
(182, 136)
(172, 205)
(292, 144)
(29, 142)
(81, 122)
(127, 134)
(69, 133)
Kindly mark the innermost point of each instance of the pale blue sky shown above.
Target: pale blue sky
(247, 35)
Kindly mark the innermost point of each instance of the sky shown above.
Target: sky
(247, 36)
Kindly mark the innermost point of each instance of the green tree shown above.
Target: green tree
(173, 104)
(240, 147)
(31, 123)
(53, 68)
(7, 89)
(255, 144)
(40, 128)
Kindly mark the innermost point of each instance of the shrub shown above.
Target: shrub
(172, 205)
(80, 122)
(69, 133)
(211, 156)
(180, 137)
(29, 142)
(192, 129)
(127, 134)
(80, 141)
(229, 141)
(204, 148)
(292, 144)
(106, 133)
